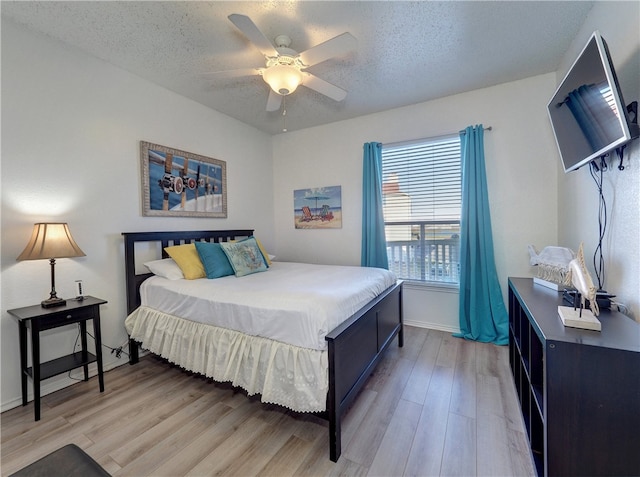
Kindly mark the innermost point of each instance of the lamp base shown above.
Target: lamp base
(52, 302)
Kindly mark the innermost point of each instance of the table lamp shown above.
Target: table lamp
(51, 240)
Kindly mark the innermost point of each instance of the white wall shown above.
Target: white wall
(521, 167)
(71, 127)
(578, 197)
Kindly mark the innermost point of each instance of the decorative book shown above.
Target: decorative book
(548, 284)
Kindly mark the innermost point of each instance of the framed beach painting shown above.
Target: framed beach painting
(318, 208)
(182, 184)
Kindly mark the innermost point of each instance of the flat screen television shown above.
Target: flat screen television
(587, 112)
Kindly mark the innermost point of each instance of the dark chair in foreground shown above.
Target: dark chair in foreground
(68, 461)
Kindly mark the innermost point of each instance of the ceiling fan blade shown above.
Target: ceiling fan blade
(251, 31)
(274, 101)
(234, 73)
(323, 87)
(336, 46)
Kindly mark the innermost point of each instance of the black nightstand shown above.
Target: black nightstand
(40, 319)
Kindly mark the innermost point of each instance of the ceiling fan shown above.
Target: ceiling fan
(285, 68)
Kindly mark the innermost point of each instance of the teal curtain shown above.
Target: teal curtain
(483, 316)
(374, 244)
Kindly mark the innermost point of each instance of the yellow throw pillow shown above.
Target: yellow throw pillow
(187, 258)
(264, 253)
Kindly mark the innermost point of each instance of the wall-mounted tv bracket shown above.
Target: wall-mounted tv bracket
(602, 165)
(620, 151)
(632, 109)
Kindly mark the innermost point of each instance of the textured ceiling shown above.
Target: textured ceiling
(408, 52)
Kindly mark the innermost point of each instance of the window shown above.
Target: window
(422, 199)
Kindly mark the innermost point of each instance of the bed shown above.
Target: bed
(337, 362)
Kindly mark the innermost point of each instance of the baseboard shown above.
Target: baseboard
(431, 326)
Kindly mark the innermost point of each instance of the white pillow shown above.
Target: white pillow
(166, 268)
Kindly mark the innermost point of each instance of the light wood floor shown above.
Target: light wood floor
(438, 406)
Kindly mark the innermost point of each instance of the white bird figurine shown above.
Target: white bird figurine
(578, 276)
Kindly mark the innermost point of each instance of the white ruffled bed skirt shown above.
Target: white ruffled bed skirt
(290, 376)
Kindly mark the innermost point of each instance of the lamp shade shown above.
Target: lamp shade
(283, 79)
(50, 240)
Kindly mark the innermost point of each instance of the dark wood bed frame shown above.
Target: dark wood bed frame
(354, 347)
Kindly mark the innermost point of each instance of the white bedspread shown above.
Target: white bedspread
(292, 303)
(263, 332)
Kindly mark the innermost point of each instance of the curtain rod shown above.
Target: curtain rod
(409, 141)
(488, 128)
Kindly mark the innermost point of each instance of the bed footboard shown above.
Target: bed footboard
(355, 347)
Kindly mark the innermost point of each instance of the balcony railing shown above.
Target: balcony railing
(426, 251)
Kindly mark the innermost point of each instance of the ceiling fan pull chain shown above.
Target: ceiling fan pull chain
(284, 114)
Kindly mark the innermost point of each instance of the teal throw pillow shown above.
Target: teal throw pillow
(215, 261)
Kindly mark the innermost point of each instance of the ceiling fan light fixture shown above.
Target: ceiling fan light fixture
(283, 79)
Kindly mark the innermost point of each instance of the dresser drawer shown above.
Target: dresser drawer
(66, 317)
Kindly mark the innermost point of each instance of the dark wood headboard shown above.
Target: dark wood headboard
(134, 281)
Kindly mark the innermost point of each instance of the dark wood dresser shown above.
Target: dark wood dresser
(579, 390)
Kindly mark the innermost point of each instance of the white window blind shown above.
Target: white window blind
(428, 175)
(422, 201)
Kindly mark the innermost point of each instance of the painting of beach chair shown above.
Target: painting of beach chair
(325, 213)
(306, 214)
